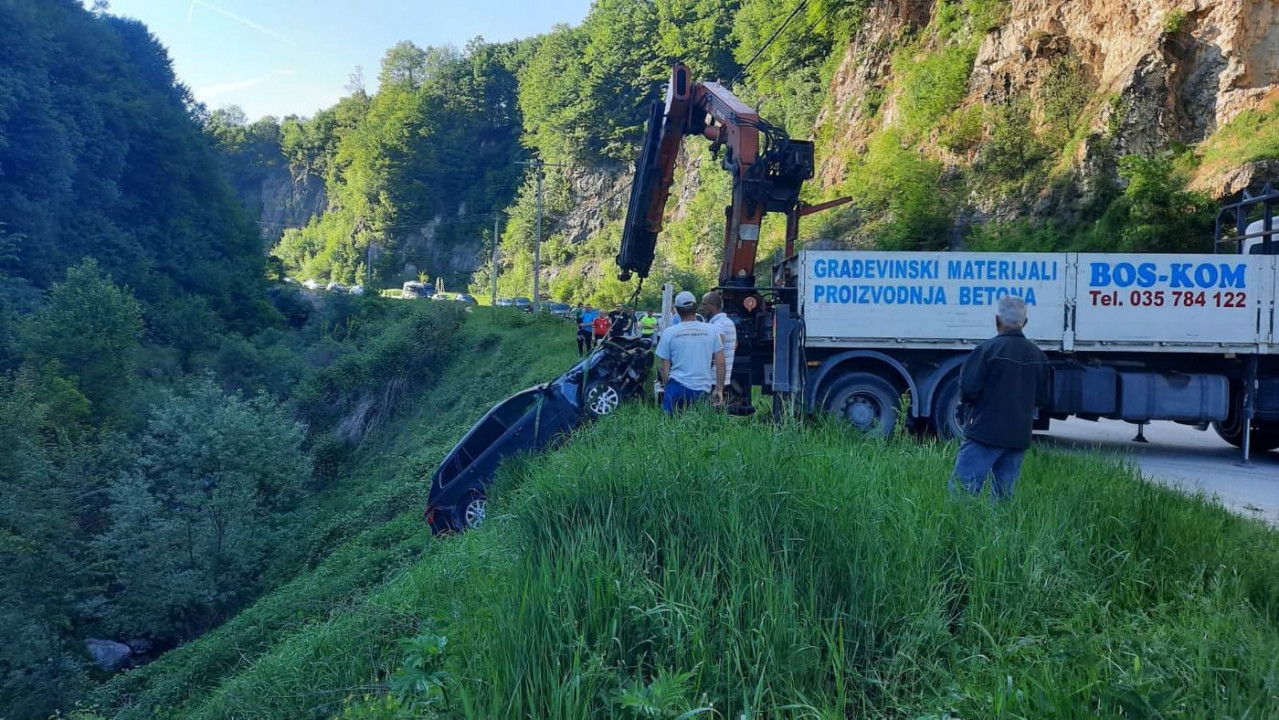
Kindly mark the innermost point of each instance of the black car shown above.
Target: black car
(524, 304)
(531, 421)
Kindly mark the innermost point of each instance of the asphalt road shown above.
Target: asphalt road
(1185, 458)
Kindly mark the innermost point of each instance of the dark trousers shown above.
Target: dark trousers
(583, 341)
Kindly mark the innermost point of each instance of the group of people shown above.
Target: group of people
(696, 354)
(594, 325)
(696, 350)
(1001, 383)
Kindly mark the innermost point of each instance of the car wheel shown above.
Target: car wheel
(866, 401)
(946, 421)
(601, 398)
(474, 513)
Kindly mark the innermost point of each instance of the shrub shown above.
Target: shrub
(92, 328)
(1175, 22)
(202, 513)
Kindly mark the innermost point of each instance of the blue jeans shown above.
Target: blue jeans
(977, 461)
(678, 397)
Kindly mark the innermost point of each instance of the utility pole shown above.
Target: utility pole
(538, 165)
(496, 238)
(537, 244)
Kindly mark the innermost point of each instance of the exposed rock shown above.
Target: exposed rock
(1235, 179)
(108, 654)
(290, 200)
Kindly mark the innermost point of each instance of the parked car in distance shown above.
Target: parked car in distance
(413, 290)
(337, 287)
(558, 308)
(468, 299)
(532, 421)
(441, 296)
(505, 302)
(524, 304)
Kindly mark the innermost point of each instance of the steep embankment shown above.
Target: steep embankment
(660, 568)
(388, 477)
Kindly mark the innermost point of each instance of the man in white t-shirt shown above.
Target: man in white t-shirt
(713, 309)
(687, 352)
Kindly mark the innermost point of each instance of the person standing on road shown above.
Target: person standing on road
(713, 309)
(687, 352)
(1001, 384)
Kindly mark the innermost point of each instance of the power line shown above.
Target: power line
(741, 73)
(834, 9)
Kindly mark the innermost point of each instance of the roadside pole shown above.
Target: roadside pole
(496, 239)
(538, 165)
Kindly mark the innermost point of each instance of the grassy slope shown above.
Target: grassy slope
(652, 568)
(387, 479)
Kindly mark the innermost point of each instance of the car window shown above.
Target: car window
(492, 427)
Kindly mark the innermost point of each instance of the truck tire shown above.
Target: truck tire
(945, 415)
(867, 401)
(1264, 439)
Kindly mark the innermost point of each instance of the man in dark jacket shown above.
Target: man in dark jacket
(1002, 383)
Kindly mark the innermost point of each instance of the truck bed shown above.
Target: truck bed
(1077, 302)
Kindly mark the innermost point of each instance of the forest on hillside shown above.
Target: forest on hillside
(417, 171)
(173, 418)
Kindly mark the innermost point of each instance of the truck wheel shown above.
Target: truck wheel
(1264, 439)
(866, 401)
(945, 419)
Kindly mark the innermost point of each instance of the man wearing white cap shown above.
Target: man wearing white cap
(687, 352)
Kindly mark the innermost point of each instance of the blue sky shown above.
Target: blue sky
(280, 57)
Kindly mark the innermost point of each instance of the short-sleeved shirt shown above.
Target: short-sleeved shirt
(588, 317)
(601, 325)
(690, 347)
(728, 332)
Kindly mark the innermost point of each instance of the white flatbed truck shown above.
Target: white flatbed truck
(1190, 338)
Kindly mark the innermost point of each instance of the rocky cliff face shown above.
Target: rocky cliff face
(288, 200)
(1156, 74)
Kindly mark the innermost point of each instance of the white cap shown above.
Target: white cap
(685, 300)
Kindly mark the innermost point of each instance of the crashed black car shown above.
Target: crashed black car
(531, 421)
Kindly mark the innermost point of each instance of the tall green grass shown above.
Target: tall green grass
(711, 567)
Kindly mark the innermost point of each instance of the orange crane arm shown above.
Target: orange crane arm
(767, 175)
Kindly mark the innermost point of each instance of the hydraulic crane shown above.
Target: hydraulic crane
(769, 170)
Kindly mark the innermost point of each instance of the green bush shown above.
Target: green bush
(202, 515)
(92, 329)
(1175, 21)
(1012, 152)
(1155, 213)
